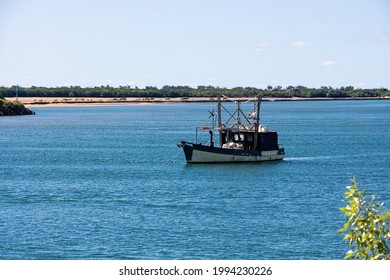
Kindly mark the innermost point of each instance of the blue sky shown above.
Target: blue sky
(195, 42)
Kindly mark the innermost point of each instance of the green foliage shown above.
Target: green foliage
(186, 91)
(368, 226)
(11, 108)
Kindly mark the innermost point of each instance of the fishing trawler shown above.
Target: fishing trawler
(241, 138)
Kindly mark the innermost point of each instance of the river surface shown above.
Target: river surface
(109, 182)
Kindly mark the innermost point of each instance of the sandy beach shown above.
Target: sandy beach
(94, 101)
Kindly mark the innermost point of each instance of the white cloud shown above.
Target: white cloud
(328, 63)
(264, 46)
(298, 44)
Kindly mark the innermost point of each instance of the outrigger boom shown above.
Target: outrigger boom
(241, 139)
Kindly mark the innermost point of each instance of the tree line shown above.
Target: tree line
(186, 91)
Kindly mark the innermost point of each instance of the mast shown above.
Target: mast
(219, 120)
(257, 124)
(259, 97)
(238, 116)
(17, 92)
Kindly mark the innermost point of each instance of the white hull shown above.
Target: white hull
(207, 157)
(202, 154)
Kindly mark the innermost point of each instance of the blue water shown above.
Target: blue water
(109, 182)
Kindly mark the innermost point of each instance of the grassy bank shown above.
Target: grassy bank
(13, 108)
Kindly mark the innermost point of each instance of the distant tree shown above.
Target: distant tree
(186, 91)
(277, 88)
(368, 226)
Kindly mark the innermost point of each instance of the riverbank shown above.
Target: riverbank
(58, 101)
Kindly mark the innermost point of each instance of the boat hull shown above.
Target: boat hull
(197, 153)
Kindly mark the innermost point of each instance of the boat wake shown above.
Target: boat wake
(307, 158)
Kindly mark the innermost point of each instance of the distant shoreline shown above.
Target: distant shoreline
(93, 101)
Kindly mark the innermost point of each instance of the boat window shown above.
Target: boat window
(239, 137)
(249, 137)
(228, 137)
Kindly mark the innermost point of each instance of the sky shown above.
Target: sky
(224, 43)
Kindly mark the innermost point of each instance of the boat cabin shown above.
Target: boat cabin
(245, 140)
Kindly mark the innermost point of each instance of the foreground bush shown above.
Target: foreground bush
(368, 226)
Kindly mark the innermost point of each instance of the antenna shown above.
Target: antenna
(212, 116)
(17, 92)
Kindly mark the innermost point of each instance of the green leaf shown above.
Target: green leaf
(349, 254)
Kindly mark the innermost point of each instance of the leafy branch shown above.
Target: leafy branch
(368, 225)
